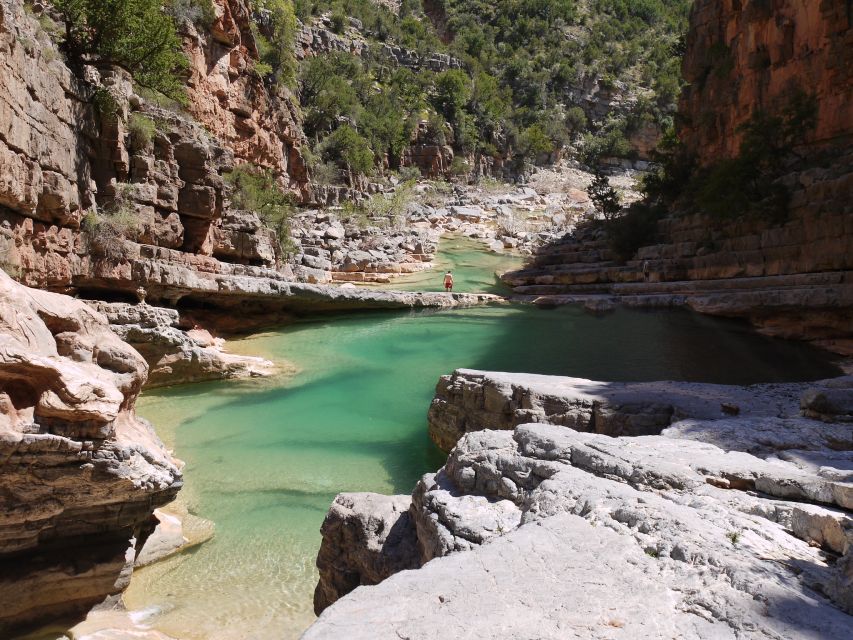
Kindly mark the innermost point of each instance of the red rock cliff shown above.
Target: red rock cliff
(748, 55)
(259, 123)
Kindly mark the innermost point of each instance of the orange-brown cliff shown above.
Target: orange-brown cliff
(790, 278)
(748, 55)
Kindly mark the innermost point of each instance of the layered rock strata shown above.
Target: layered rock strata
(468, 400)
(260, 124)
(176, 354)
(744, 57)
(81, 474)
(735, 526)
(793, 280)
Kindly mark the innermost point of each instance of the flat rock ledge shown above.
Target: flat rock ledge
(176, 354)
(80, 473)
(470, 400)
(719, 526)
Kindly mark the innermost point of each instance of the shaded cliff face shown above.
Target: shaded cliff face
(792, 278)
(81, 474)
(749, 55)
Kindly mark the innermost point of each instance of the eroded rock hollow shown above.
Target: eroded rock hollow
(80, 472)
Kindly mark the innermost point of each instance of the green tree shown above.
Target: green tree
(134, 34)
(603, 196)
(452, 91)
(349, 150)
(256, 189)
(278, 52)
(533, 141)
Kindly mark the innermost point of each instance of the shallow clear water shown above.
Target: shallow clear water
(473, 269)
(265, 458)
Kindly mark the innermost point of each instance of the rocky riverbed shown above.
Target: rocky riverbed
(732, 520)
(334, 245)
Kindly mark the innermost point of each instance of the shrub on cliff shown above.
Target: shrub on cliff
(276, 48)
(198, 12)
(134, 34)
(108, 230)
(141, 131)
(256, 189)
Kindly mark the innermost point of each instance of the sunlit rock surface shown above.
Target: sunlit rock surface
(734, 521)
(80, 472)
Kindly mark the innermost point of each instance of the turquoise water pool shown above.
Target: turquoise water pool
(266, 458)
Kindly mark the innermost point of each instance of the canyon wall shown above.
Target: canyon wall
(749, 55)
(81, 474)
(67, 170)
(791, 276)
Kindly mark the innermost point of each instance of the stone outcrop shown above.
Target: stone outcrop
(377, 248)
(177, 354)
(743, 57)
(722, 526)
(81, 474)
(317, 38)
(469, 400)
(366, 538)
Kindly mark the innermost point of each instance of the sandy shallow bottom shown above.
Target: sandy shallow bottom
(474, 269)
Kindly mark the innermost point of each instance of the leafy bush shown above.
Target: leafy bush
(604, 196)
(277, 52)
(141, 130)
(382, 209)
(609, 141)
(747, 185)
(409, 174)
(339, 22)
(349, 150)
(256, 189)
(134, 34)
(635, 228)
(198, 12)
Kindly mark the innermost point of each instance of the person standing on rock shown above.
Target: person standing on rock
(646, 270)
(448, 281)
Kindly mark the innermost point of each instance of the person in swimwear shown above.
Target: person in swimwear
(448, 281)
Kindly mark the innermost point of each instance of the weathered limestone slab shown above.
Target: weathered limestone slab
(80, 472)
(614, 534)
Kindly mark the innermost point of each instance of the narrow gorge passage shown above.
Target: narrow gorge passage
(266, 458)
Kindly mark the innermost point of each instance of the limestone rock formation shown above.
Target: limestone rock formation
(469, 400)
(177, 354)
(81, 473)
(366, 538)
(718, 527)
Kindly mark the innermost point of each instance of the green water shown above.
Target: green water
(473, 269)
(265, 458)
